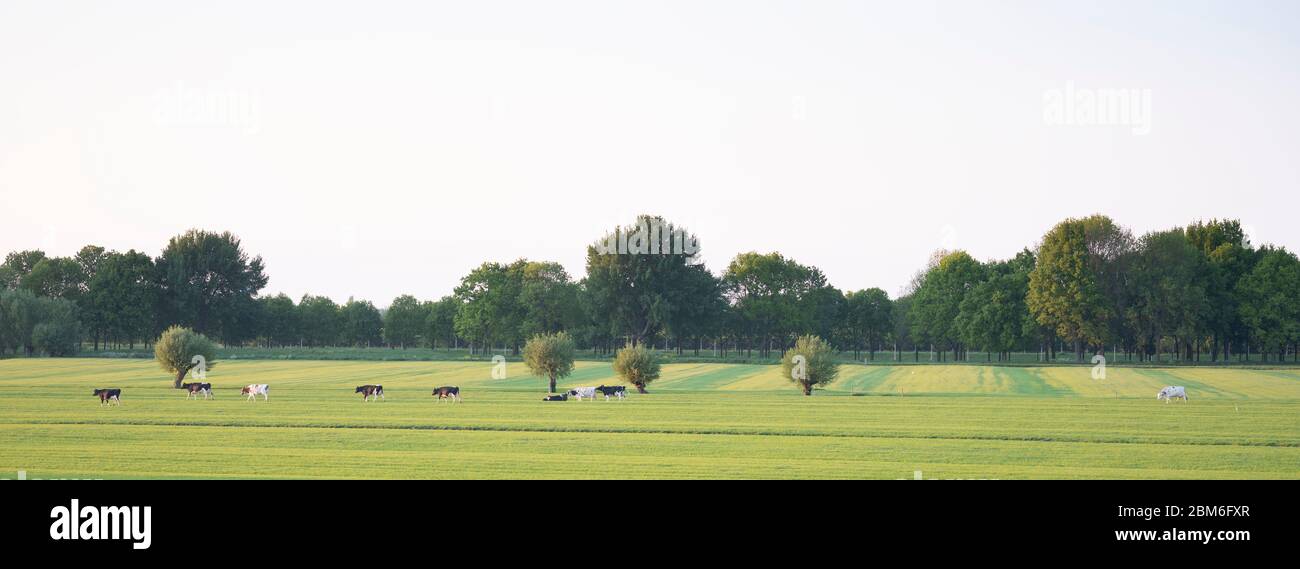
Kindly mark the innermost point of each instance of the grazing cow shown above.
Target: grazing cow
(194, 389)
(580, 392)
(107, 395)
(449, 392)
(1172, 392)
(560, 397)
(252, 391)
(368, 391)
(617, 391)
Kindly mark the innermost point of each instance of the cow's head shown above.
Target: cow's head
(361, 389)
(245, 390)
(98, 391)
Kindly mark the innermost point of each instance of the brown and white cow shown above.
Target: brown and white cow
(368, 391)
(448, 392)
(194, 389)
(107, 395)
(252, 391)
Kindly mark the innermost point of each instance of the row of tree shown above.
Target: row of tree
(1089, 286)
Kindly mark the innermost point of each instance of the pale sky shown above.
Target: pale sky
(372, 149)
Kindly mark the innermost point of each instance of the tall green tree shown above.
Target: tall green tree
(22, 314)
(867, 320)
(490, 312)
(58, 332)
(1073, 290)
(18, 265)
(320, 320)
(404, 322)
(1169, 281)
(282, 324)
(937, 302)
(775, 297)
(208, 283)
(993, 314)
(57, 277)
(1270, 301)
(1230, 257)
(638, 278)
(440, 326)
(362, 324)
(548, 299)
(123, 296)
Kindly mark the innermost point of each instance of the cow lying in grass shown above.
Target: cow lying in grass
(194, 389)
(559, 397)
(107, 395)
(449, 392)
(252, 391)
(368, 391)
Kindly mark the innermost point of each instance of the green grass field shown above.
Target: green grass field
(704, 420)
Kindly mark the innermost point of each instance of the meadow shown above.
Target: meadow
(701, 420)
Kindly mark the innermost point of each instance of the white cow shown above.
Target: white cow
(581, 392)
(1172, 392)
(252, 391)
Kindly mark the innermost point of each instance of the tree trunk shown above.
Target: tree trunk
(552, 383)
(640, 387)
(180, 377)
(807, 389)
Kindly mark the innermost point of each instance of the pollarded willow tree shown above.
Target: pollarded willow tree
(637, 366)
(810, 363)
(550, 356)
(179, 350)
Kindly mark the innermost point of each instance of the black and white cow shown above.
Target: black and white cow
(557, 397)
(107, 395)
(616, 391)
(194, 389)
(448, 392)
(583, 392)
(368, 391)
